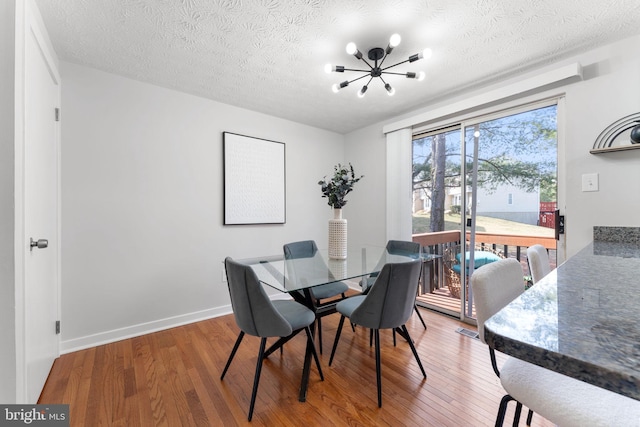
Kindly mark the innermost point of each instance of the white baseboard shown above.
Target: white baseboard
(140, 329)
(114, 335)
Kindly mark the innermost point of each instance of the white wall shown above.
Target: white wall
(7, 211)
(610, 90)
(142, 213)
(366, 150)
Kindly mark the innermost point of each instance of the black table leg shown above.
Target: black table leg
(304, 384)
(306, 369)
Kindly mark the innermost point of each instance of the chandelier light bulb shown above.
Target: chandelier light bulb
(418, 76)
(335, 88)
(351, 48)
(395, 39)
(337, 68)
(390, 91)
(424, 54)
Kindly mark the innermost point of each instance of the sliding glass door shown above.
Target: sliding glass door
(491, 183)
(511, 171)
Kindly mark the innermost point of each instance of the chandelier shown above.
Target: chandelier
(378, 56)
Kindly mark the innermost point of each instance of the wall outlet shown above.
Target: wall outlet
(590, 182)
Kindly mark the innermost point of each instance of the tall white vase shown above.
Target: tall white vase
(337, 236)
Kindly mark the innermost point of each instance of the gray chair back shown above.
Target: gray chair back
(308, 261)
(494, 286)
(538, 262)
(402, 247)
(252, 308)
(392, 297)
(303, 249)
(394, 247)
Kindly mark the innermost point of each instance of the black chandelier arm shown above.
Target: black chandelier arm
(391, 72)
(391, 66)
(358, 70)
(359, 78)
(368, 65)
(382, 61)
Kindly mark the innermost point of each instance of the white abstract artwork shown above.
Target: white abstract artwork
(254, 180)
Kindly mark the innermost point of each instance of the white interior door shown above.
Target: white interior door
(41, 140)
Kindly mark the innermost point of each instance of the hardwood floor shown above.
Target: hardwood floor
(172, 378)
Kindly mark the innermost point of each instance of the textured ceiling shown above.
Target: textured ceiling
(268, 55)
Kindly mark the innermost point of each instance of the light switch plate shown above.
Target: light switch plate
(590, 182)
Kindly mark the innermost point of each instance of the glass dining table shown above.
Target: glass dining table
(296, 276)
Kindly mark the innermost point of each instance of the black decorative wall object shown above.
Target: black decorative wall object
(623, 134)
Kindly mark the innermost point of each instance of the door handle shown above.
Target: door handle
(40, 244)
(559, 222)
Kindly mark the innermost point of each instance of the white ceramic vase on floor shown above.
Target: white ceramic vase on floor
(337, 236)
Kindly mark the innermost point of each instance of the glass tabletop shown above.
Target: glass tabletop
(287, 275)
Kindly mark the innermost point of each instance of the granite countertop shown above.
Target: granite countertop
(582, 320)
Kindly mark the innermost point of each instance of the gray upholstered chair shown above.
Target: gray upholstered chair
(388, 305)
(257, 315)
(538, 262)
(562, 400)
(396, 247)
(308, 249)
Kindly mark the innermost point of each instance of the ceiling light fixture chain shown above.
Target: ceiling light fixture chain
(377, 54)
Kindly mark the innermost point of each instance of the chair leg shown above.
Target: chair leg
(394, 337)
(313, 351)
(516, 415)
(335, 342)
(370, 337)
(320, 333)
(503, 409)
(415, 307)
(233, 353)
(529, 417)
(378, 373)
(413, 349)
(256, 379)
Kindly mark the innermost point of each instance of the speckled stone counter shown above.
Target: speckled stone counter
(582, 320)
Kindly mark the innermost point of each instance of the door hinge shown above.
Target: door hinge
(57, 114)
(57, 327)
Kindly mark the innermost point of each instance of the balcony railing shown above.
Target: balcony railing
(512, 246)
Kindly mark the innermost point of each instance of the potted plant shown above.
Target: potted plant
(340, 184)
(335, 189)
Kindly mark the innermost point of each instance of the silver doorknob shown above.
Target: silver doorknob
(40, 243)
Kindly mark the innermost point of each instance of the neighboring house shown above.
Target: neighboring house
(507, 202)
(511, 203)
